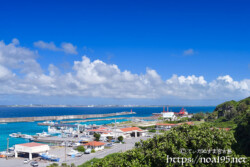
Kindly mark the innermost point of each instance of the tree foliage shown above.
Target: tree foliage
(242, 135)
(155, 151)
(97, 136)
(120, 138)
(199, 116)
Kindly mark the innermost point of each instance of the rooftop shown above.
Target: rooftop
(32, 144)
(100, 130)
(94, 143)
(130, 129)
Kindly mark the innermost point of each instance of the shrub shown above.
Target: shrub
(80, 149)
(93, 151)
(53, 165)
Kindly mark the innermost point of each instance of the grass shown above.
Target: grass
(198, 122)
(89, 163)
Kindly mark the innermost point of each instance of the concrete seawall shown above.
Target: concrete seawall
(62, 117)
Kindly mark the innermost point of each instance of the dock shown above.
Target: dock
(62, 117)
(56, 139)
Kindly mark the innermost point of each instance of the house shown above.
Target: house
(104, 132)
(163, 126)
(31, 148)
(130, 132)
(95, 145)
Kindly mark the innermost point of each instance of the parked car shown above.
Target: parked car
(109, 145)
(34, 163)
(88, 151)
(76, 144)
(26, 161)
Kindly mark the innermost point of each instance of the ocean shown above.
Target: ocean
(32, 128)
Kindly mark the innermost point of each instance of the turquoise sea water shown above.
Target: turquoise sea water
(32, 128)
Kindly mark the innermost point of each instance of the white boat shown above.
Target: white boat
(72, 152)
(47, 123)
(43, 134)
(53, 130)
(14, 135)
(27, 137)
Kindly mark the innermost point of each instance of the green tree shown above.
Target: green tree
(199, 116)
(109, 138)
(97, 136)
(120, 138)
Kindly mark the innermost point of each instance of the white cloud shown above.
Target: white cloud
(18, 58)
(68, 48)
(188, 52)
(5, 73)
(45, 45)
(65, 47)
(99, 79)
(15, 41)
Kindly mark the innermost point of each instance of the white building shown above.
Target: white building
(31, 148)
(169, 115)
(130, 132)
(95, 145)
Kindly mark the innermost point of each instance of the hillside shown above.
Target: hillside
(230, 113)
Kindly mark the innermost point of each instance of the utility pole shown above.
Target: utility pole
(7, 151)
(65, 151)
(115, 130)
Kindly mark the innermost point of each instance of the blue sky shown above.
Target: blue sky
(183, 38)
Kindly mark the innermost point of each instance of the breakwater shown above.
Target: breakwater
(107, 119)
(62, 117)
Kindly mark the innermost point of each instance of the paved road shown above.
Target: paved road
(14, 162)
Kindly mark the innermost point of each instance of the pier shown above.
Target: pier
(56, 139)
(62, 117)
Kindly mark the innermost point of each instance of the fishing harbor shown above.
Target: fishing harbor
(53, 135)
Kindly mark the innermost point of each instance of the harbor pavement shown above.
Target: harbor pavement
(60, 152)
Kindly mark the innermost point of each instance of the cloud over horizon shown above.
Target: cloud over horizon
(21, 74)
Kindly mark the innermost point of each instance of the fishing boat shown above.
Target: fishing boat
(13, 135)
(27, 136)
(49, 157)
(43, 134)
(46, 123)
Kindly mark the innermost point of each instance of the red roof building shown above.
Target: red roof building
(95, 145)
(31, 148)
(131, 129)
(32, 144)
